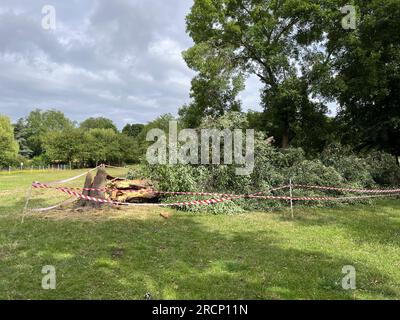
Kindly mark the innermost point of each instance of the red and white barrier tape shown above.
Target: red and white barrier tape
(73, 178)
(68, 201)
(39, 185)
(114, 167)
(347, 189)
(323, 198)
(190, 193)
(68, 191)
(270, 190)
(223, 197)
(85, 173)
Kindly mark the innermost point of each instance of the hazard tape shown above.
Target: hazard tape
(73, 178)
(108, 166)
(322, 198)
(38, 185)
(85, 173)
(68, 201)
(193, 193)
(223, 197)
(47, 186)
(347, 189)
(190, 193)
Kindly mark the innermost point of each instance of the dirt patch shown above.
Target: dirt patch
(117, 253)
(165, 214)
(105, 213)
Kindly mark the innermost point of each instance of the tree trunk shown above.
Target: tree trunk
(285, 137)
(99, 184)
(87, 185)
(115, 189)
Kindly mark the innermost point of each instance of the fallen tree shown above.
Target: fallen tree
(105, 186)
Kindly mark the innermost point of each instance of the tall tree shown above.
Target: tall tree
(366, 77)
(64, 146)
(268, 38)
(133, 130)
(215, 88)
(290, 114)
(162, 122)
(102, 145)
(21, 135)
(8, 145)
(38, 123)
(98, 123)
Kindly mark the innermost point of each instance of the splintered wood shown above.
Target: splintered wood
(104, 186)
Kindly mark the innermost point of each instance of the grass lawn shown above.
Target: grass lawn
(122, 254)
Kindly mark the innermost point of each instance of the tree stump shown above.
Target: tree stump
(99, 185)
(104, 186)
(86, 192)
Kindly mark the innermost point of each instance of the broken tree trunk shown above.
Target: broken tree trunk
(99, 185)
(86, 191)
(131, 191)
(104, 186)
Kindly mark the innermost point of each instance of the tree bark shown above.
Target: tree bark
(116, 189)
(285, 138)
(87, 185)
(99, 184)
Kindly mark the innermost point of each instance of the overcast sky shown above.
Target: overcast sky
(119, 59)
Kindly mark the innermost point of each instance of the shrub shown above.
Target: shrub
(313, 172)
(178, 177)
(273, 167)
(136, 172)
(41, 160)
(368, 170)
(384, 169)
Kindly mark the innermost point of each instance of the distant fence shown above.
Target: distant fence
(50, 167)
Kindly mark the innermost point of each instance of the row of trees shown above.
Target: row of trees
(50, 137)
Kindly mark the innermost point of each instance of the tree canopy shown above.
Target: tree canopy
(270, 39)
(8, 145)
(133, 130)
(304, 58)
(38, 124)
(366, 78)
(98, 123)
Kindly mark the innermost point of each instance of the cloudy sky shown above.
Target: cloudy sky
(120, 59)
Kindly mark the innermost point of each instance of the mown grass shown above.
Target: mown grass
(122, 254)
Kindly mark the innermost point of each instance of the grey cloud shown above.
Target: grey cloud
(117, 58)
